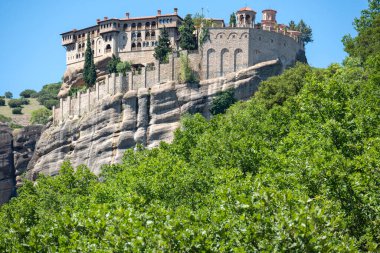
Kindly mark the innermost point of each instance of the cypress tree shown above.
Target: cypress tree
(89, 71)
(233, 20)
(163, 48)
(187, 40)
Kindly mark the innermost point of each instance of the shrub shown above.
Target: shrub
(40, 116)
(8, 94)
(17, 110)
(24, 101)
(186, 73)
(74, 90)
(222, 102)
(123, 67)
(13, 103)
(28, 93)
(48, 95)
(2, 102)
(112, 64)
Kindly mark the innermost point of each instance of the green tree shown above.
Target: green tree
(8, 94)
(28, 93)
(123, 67)
(162, 50)
(292, 25)
(2, 102)
(13, 103)
(112, 64)
(89, 70)
(48, 95)
(306, 32)
(233, 20)
(367, 42)
(222, 101)
(17, 110)
(187, 40)
(40, 116)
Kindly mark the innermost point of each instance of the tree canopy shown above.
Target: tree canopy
(187, 41)
(233, 20)
(112, 64)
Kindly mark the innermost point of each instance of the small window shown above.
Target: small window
(246, 36)
(221, 36)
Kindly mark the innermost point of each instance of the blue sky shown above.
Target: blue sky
(30, 46)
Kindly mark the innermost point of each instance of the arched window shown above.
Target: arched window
(139, 35)
(133, 46)
(147, 25)
(139, 26)
(133, 25)
(153, 24)
(108, 48)
(153, 35)
(139, 46)
(147, 35)
(125, 26)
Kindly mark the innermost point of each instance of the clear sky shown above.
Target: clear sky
(31, 54)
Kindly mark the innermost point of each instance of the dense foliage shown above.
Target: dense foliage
(2, 102)
(28, 93)
(306, 30)
(89, 70)
(40, 116)
(367, 43)
(123, 67)
(187, 40)
(112, 64)
(48, 95)
(162, 50)
(222, 101)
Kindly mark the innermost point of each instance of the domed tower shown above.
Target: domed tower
(245, 17)
(269, 21)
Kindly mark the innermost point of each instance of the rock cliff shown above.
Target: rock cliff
(145, 116)
(7, 170)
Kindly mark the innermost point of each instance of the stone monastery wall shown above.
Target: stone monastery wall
(76, 106)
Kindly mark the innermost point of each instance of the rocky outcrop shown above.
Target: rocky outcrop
(24, 142)
(7, 171)
(74, 77)
(145, 116)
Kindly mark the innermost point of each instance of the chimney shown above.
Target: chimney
(127, 15)
(158, 12)
(175, 11)
(105, 18)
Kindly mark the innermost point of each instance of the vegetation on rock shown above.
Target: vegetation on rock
(40, 116)
(222, 101)
(112, 64)
(233, 20)
(17, 110)
(187, 75)
(123, 67)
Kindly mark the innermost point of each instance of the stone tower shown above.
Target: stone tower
(246, 17)
(269, 21)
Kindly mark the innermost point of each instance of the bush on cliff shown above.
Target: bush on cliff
(17, 110)
(2, 102)
(40, 116)
(13, 103)
(222, 101)
(48, 95)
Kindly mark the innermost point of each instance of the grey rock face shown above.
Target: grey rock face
(137, 117)
(24, 142)
(7, 172)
